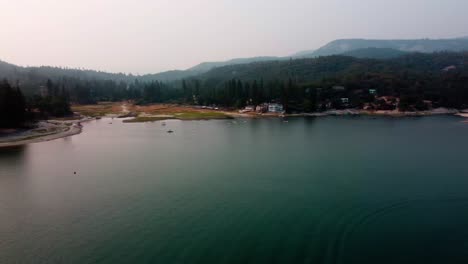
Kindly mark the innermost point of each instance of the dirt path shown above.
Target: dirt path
(125, 108)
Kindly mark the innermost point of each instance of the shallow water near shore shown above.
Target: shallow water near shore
(312, 190)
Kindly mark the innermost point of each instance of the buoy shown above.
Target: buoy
(74, 172)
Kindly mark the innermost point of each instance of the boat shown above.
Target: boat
(170, 131)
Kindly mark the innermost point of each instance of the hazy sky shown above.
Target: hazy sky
(143, 36)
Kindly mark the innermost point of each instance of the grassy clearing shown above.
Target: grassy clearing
(180, 116)
(201, 116)
(143, 119)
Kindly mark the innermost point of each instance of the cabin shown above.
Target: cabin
(345, 100)
(275, 108)
(373, 91)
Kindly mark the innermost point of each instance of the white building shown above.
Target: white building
(275, 108)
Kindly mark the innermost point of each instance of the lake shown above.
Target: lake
(324, 190)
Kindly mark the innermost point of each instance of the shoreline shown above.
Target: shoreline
(65, 129)
(358, 112)
(55, 129)
(382, 113)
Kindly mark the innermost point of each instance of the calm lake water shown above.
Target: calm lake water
(328, 190)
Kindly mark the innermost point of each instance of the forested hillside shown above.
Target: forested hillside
(306, 70)
(375, 53)
(440, 79)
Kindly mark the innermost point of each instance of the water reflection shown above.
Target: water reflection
(11, 159)
(12, 153)
(340, 189)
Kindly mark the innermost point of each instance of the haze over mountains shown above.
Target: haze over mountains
(367, 49)
(359, 48)
(418, 45)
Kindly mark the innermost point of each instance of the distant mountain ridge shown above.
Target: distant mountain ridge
(359, 48)
(418, 45)
(376, 49)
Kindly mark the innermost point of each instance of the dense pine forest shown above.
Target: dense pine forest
(12, 106)
(418, 81)
(17, 109)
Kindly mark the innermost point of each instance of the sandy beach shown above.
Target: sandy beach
(45, 131)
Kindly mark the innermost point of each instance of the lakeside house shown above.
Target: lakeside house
(344, 102)
(263, 108)
(373, 91)
(275, 108)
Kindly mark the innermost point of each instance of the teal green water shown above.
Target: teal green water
(328, 190)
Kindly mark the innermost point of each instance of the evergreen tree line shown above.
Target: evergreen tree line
(16, 109)
(12, 106)
(444, 89)
(54, 102)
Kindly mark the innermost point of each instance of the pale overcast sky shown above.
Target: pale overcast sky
(147, 36)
